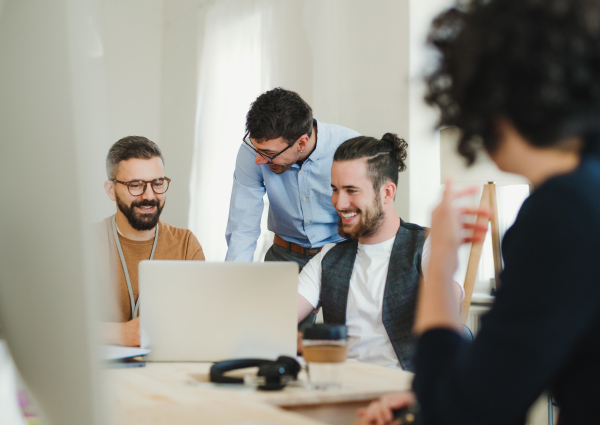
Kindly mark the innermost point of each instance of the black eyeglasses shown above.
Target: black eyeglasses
(264, 155)
(138, 187)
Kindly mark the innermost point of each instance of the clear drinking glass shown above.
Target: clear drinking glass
(325, 348)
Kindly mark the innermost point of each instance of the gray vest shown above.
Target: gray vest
(400, 293)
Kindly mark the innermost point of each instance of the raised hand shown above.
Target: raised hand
(447, 220)
(437, 305)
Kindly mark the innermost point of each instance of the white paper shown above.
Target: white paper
(117, 352)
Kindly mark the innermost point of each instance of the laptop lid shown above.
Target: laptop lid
(203, 311)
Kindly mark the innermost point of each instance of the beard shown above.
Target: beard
(280, 168)
(371, 220)
(140, 221)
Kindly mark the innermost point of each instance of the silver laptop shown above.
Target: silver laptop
(201, 311)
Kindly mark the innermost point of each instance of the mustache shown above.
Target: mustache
(146, 203)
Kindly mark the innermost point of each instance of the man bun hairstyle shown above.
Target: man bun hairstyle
(279, 113)
(130, 147)
(385, 157)
(535, 63)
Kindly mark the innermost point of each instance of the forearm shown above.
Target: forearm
(437, 306)
(126, 333)
(111, 333)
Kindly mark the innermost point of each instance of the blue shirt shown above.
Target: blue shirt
(300, 198)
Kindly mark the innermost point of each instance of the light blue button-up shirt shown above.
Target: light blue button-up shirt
(300, 199)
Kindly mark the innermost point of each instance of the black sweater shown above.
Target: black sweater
(543, 331)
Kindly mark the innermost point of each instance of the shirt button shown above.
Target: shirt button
(312, 237)
(304, 199)
(302, 172)
(308, 222)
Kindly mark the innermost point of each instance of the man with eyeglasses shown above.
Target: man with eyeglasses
(137, 184)
(288, 155)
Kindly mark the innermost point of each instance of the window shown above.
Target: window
(510, 198)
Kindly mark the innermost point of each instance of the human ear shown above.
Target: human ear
(389, 192)
(109, 187)
(302, 142)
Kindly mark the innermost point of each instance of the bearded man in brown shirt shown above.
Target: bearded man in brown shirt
(138, 185)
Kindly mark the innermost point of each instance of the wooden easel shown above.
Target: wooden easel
(488, 201)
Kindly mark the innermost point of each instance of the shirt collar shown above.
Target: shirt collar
(321, 139)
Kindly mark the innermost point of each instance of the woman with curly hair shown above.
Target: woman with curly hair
(520, 79)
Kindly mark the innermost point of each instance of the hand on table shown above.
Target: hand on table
(125, 333)
(130, 333)
(380, 412)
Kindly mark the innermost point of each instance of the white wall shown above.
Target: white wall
(360, 64)
(181, 43)
(132, 38)
(151, 54)
(422, 180)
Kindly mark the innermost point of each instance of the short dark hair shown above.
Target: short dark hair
(533, 62)
(279, 113)
(385, 157)
(127, 148)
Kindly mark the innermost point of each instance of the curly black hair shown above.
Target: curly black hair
(535, 63)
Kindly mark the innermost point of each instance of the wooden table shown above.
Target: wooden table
(180, 393)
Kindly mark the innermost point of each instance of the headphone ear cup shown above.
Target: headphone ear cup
(274, 374)
(291, 365)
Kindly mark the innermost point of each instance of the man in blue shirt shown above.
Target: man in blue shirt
(287, 154)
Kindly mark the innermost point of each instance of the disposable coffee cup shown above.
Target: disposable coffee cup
(325, 348)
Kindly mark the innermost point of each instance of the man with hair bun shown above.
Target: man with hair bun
(370, 281)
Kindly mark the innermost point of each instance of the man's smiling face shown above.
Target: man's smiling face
(142, 212)
(358, 205)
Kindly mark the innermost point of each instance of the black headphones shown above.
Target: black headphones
(272, 375)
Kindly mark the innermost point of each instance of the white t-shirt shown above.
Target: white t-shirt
(368, 340)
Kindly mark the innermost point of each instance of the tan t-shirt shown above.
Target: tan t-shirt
(173, 243)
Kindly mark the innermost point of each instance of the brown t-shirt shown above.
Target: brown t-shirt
(173, 243)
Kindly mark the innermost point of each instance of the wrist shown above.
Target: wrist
(444, 261)
(112, 333)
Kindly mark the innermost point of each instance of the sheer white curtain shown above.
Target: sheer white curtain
(234, 70)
